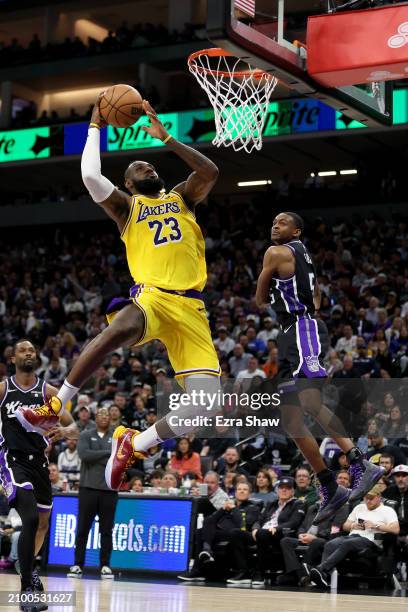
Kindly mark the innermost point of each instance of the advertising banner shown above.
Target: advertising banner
(148, 534)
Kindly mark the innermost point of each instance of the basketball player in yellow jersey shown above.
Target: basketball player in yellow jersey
(165, 253)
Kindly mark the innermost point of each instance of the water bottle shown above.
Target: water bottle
(334, 579)
(187, 484)
(200, 520)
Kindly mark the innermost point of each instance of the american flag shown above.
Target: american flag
(246, 6)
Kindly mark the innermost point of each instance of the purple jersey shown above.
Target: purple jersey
(292, 298)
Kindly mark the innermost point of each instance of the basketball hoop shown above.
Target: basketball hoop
(240, 96)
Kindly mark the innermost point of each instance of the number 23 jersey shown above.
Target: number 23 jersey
(164, 244)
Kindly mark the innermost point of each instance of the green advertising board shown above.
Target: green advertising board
(24, 144)
(190, 126)
(283, 118)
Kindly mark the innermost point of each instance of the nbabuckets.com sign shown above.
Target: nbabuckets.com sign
(148, 534)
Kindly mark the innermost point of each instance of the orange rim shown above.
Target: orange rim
(218, 52)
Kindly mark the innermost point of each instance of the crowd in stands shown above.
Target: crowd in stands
(55, 287)
(124, 38)
(27, 116)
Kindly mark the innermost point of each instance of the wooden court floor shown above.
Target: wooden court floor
(95, 595)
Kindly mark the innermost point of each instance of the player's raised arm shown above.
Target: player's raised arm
(116, 203)
(205, 173)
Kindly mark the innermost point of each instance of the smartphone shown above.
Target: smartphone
(361, 522)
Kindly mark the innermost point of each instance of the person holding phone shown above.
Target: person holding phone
(364, 522)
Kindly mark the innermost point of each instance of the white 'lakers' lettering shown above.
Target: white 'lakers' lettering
(161, 209)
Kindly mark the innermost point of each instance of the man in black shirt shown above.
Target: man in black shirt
(398, 492)
(377, 442)
(314, 538)
(233, 523)
(278, 519)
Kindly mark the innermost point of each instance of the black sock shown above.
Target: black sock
(326, 478)
(355, 455)
(26, 505)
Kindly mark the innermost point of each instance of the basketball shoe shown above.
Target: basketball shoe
(364, 475)
(330, 503)
(122, 456)
(40, 419)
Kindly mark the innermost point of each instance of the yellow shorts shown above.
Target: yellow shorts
(181, 324)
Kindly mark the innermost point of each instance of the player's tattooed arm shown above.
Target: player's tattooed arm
(67, 427)
(205, 173)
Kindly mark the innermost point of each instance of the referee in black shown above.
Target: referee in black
(94, 448)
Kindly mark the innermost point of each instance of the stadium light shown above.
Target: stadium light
(344, 172)
(328, 173)
(84, 28)
(254, 183)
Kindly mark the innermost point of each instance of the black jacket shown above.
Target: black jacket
(239, 517)
(290, 517)
(388, 449)
(401, 508)
(94, 453)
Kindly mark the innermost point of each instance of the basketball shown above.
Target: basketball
(121, 105)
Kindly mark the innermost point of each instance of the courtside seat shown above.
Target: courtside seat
(206, 464)
(224, 561)
(370, 566)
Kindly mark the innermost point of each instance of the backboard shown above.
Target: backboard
(274, 40)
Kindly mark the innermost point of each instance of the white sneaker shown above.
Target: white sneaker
(106, 573)
(75, 572)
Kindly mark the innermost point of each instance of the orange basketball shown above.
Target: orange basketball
(121, 105)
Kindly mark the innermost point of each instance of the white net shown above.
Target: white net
(240, 97)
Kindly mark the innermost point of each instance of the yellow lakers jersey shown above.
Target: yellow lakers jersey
(164, 244)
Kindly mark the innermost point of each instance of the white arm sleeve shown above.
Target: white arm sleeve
(99, 186)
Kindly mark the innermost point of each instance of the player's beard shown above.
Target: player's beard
(27, 368)
(149, 186)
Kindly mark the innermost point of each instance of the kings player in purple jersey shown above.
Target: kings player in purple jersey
(24, 474)
(288, 282)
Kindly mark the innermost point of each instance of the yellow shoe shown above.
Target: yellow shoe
(41, 419)
(122, 456)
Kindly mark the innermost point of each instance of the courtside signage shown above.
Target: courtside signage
(148, 534)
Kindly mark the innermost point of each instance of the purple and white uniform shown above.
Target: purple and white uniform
(303, 340)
